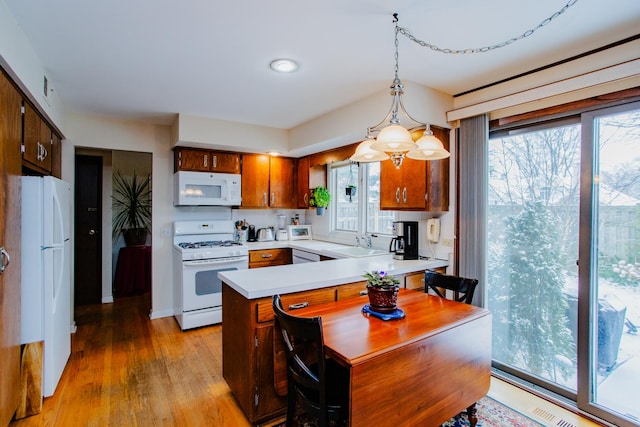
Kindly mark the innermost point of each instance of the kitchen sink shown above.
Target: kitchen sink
(355, 252)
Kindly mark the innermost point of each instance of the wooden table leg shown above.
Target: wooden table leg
(472, 415)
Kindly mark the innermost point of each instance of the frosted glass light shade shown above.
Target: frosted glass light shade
(364, 153)
(393, 139)
(428, 148)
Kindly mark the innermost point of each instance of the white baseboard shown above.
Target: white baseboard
(160, 314)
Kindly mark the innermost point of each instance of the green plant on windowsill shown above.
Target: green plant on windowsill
(320, 198)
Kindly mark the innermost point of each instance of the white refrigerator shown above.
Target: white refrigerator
(46, 275)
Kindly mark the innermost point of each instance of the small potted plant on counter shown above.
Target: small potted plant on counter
(320, 198)
(382, 289)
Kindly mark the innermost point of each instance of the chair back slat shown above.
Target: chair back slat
(462, 288)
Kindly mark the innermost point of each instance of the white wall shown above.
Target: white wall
(20, 60)
(115, 134)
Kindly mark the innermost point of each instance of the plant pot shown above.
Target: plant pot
(383, 300)
(320, 210)
(350, 191)
(135, 237)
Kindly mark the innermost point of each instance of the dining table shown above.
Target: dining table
(419, 369)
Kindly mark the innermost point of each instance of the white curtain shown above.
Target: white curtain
(472, 209)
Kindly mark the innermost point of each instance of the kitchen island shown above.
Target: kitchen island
(253, 358)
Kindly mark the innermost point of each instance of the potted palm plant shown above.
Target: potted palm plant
(131, 208)
(320, 198)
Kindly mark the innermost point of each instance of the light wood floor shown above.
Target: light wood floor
(128, 370)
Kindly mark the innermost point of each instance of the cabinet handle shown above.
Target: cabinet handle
(306, 198)
(39, 156)
(273, 198)
(363, 293)
(4, 256)
(404, 194)
(264, 199)
(298, 305)
(205, 160)
(397, 194)
(426, 197)
(214, 162)
(267, 255)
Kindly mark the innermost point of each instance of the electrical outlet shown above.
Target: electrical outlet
(447, 242)
(166, 232)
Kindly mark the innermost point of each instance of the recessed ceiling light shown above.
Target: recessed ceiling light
(284, 65)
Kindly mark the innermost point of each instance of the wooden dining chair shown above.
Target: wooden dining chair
(461, 290)
(318, 385)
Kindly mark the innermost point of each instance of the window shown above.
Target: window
(357, 207)
(560, 192)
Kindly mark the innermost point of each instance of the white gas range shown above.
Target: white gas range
(201, 250)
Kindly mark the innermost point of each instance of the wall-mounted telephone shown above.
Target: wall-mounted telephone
(433, 230)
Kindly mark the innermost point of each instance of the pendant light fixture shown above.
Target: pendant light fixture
(389, 136)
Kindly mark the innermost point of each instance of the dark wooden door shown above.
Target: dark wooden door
(10, 219)
(88, 232)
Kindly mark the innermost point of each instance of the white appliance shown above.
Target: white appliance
(301, 257)
(207, 189)
(46, 272)
(201, 250)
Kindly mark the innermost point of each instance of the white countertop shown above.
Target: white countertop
(284, 279)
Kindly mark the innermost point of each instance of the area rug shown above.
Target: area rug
(493, 414)
(490, 414)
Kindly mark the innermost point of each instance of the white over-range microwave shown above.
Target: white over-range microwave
(206, 189)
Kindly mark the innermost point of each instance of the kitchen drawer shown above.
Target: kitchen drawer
(269, 257)
(351, 290)
(305, 298)
(414, 281)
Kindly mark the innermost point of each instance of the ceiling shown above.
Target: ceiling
(148, 60)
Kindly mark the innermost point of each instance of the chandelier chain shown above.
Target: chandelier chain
(488, 48)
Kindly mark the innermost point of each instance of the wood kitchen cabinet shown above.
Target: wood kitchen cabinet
(269, 257)
(309, 176)
(252, 365)
(10, 238)
(268, 182)
(37, 141)
(196, 160)
(417, 184)
(56, 156)
(302, 183)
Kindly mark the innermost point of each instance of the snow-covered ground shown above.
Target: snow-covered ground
(618, 390)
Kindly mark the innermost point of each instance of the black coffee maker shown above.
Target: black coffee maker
(404, 244)
(252, 236)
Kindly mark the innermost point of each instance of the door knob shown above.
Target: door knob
(92, 232)
(4, 256)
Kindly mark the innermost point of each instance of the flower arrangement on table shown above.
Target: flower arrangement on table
(382, 289)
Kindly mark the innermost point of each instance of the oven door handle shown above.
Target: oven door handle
(214, 261)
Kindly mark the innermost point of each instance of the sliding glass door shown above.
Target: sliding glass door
(533, 213)
(610, 280)
(563, 264)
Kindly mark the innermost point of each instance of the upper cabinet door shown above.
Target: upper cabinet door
(418, 184)
(195, 160)
(282, 192)
(255, 181)
(225, 162)
(302, 183)
(36, 140)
